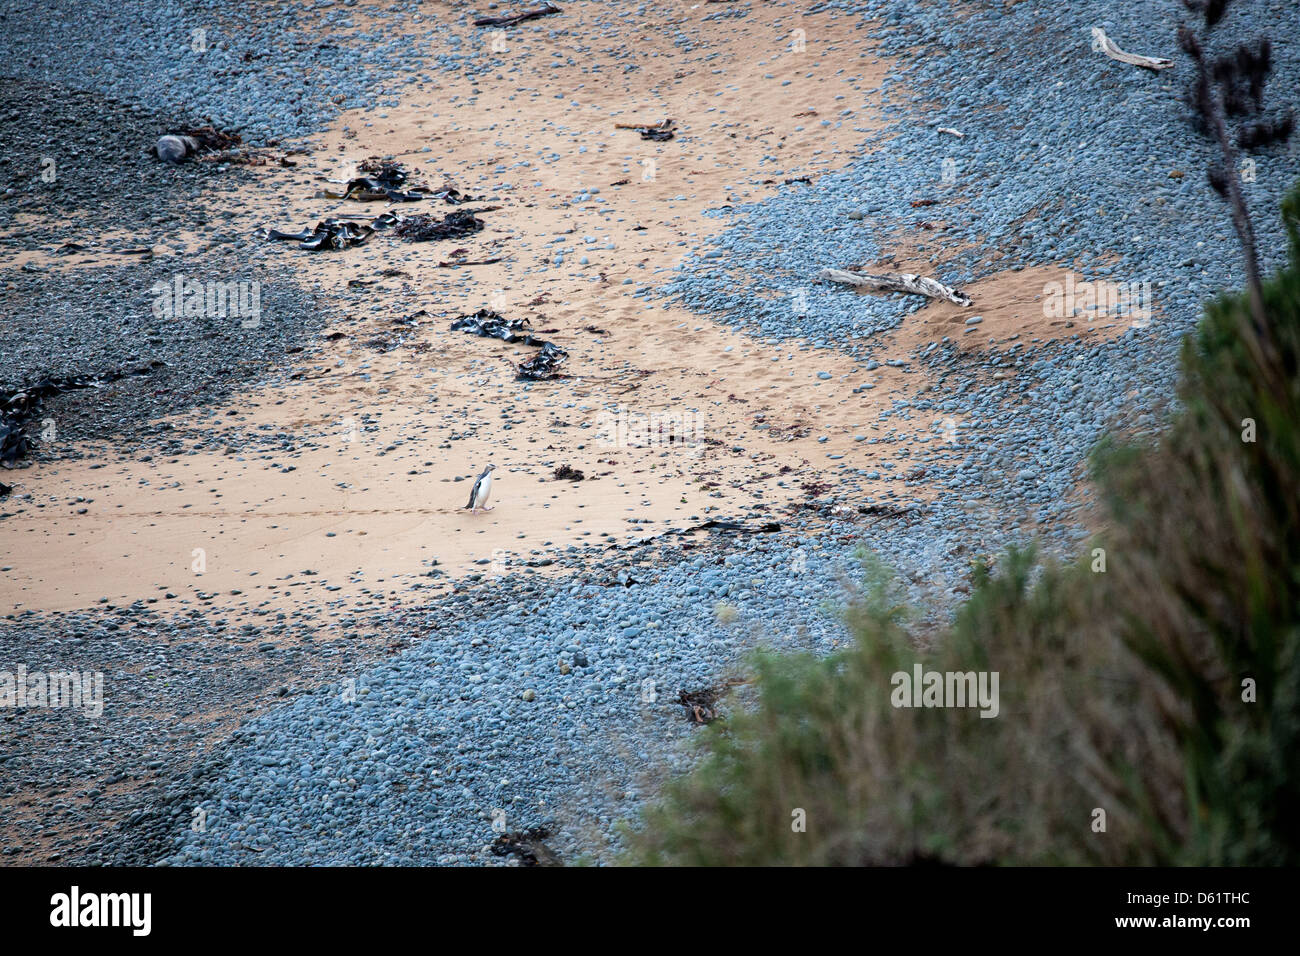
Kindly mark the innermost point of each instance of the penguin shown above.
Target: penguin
(478, 495)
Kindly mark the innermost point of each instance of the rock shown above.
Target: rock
(175, 149)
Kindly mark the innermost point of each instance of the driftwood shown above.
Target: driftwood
(1104, 44)
(952, 132)
(454, 263)
(659, 132)
(512, 19)
(897, 282)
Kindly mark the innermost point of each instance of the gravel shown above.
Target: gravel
(62, 322)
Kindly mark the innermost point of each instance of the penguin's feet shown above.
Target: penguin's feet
(486, 508)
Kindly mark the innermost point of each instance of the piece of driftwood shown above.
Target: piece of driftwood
(897, 282)
(512, 19)
(952, 132)
(454, 263)
(659, 132)
(1104, 44)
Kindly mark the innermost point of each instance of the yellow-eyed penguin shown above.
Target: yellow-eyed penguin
(478, 495)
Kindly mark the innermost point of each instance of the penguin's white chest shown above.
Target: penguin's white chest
(484, 489)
